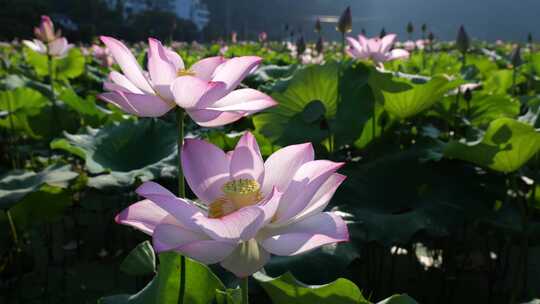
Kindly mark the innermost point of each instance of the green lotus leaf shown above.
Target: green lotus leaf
(505, 147)
(398, 299)
(285, 289)
(144, 149)
(405, 98)
(140, 261)
(317, 101)
(201, 284)
(16, 184)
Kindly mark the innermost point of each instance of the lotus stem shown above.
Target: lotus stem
(13, 229)
(244, 288)
(12, 135)
(53, 94)
(180, 117)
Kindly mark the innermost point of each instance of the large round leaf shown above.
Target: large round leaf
(287, 290)
(144, 149)
(405, 98)
(318, 101)
(20, 106)
(506, 146)
(16, 184)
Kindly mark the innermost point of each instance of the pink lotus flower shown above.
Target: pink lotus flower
(45, 32)
(206, 91)
(102, 55)
(377, 49)
(263, 36)
(48, 42)
(252, 208)
(410, 45)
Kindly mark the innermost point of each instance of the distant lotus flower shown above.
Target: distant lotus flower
(377, 49)
(206, 90)
(234, 37)
(102, 55)
(48, 42)
(263, 36)
(253, 208)
(410, 45)
(45, 32)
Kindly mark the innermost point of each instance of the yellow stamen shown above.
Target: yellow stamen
(183, 72)
(237, 194)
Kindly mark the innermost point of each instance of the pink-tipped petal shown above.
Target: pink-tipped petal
(354, 44)
(127, 62)
(281, 166)
(58, 47)
(303, 186)
(144, 215)
(169, 236)
(206, 168)
(180, 209)
(204, 69)
(175, 59)
(246, 161)
(197, 246)
(309, 234)
(240, 225)
(36, 46)
(387, 42)
(142, 105)
(162, 71)
(398, 54)
(243, 100)
(191, 92)
(322, 197)
(214, 118)
(248, 258)
(270, 205)
(234, 70)
(123, 84)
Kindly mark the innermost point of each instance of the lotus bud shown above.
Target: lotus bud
(462, 41)
(410, 28)
(318, 27)
(300, 45)
(45, 31)
(515, 56)
(424, 28)
(530, 38)
(363, 32)
(383, 33)
(320, 45)
(467, 95)
(345, 21)
(431, 37)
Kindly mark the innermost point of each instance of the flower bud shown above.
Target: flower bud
(383, 33)
(424, 28)
(318, 27)
(462, 40)
(344, 24)
(515, 56)
(300, 46)
(530, 38)
(431, 37)
(320, 45)
(363, 32)
(467, 95)
(410, 28)
(45, 31)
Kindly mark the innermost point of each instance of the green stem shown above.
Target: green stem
(53, 93)
(343, 45)
(13, 229)
(514, 76)
(244, 288)
(180, 117)
(374, 122)
(12, 134)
